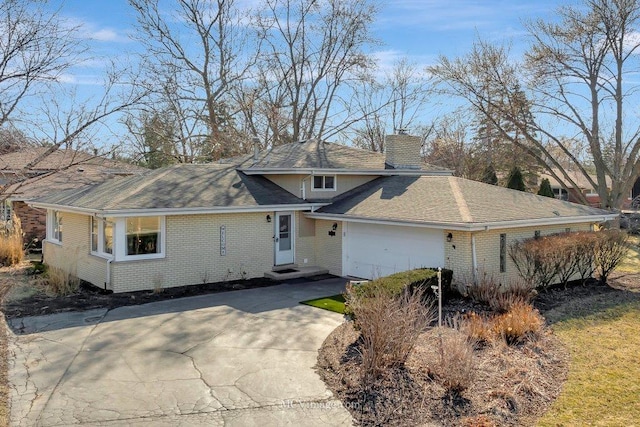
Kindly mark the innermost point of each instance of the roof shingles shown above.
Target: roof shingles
(442, 199)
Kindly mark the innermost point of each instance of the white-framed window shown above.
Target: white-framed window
(55, 227)
(324, 182)
(143, 237)
(101, 236)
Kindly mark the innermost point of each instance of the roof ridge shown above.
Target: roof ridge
(463, 208)
(140, 187)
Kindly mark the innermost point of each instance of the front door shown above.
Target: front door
(284, 238)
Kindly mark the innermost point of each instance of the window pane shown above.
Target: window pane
(94, 234)
(108, 238)
(57, 226)
(317, 182)
(143, 235)
(329, 182)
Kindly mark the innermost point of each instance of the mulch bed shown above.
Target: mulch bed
(514, 385)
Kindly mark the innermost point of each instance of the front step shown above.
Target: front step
(296, 274)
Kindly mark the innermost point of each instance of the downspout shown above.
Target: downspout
(303, 190)
(108, 278)
(474, 259)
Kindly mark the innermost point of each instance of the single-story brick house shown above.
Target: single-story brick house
(32, 172)
(310, 203)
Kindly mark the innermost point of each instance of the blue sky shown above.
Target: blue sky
(418, 29)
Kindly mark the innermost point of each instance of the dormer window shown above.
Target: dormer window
(324, 182)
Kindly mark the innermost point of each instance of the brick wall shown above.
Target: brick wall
(34, 221)
(329, 248)
(74, 254)
(459, 259)
(193, 253)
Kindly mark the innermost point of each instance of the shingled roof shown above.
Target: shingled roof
(60, 170)
(183, 186)
(449, 200)
(317, 154)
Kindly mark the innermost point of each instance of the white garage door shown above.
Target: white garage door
(373, 250)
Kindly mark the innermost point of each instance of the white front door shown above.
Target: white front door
(284, 238)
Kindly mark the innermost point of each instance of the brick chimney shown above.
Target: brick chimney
(403, 151)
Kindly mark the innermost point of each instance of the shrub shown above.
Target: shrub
(60, 281)
(11, 246)
(477, 328)
(498, 297)
(522, 321)
(411, 281)
(610, 249)
(454, 368)
(389, 327)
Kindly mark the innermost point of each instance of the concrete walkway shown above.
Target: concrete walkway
(236, 358)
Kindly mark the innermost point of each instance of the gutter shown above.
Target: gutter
(178, 211)
(343, 171)
(465, 226)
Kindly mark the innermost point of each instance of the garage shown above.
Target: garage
(374, 250)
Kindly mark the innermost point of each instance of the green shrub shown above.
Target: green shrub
(407, 281)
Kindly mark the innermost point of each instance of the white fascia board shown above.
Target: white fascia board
(461, 226)
(323, 171)
(180, 211)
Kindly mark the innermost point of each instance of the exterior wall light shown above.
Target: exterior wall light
(268, 218)
(449, 237)
(334, 227)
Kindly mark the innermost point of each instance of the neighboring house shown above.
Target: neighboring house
(583, 186)
(61, 170)
(300, 205)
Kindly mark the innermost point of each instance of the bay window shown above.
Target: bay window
(101, 236)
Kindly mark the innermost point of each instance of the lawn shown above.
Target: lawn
(332, 303)
(631, 264)
(602, 388)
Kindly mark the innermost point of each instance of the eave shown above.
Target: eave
(114, 213)
(343, 171)
(467, 226)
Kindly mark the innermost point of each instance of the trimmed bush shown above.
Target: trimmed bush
(411, 281)
(560, 257)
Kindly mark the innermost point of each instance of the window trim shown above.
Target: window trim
(54, 223)
(100, 241)
(120, 236)
(323, 188)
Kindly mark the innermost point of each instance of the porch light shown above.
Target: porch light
(449, 237)
(268, 218)
(334, 227)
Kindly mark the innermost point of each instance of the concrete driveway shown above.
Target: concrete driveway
(236, 358)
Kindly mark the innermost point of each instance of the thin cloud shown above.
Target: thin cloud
(461, 14)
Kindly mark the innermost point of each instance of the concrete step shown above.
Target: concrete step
(299, 272)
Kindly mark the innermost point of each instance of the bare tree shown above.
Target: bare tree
(36, 47)
(314, 49)
(392, 103)
(195, 54)
(576, 86)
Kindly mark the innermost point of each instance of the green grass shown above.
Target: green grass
(332, 303)
(631, 263)
(602, 388)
